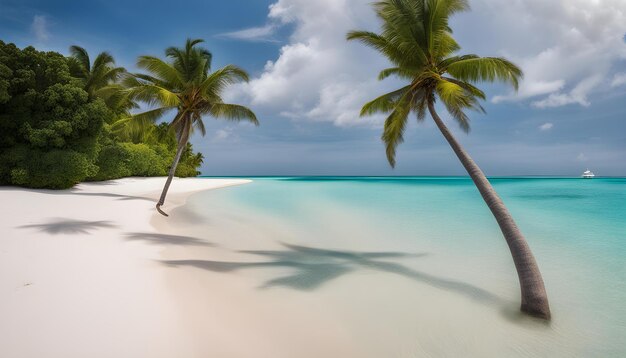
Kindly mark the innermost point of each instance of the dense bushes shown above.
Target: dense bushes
(52, 135)
(129, 159)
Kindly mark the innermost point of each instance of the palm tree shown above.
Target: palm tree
(185, 85)
(99, 79)
(417, 40)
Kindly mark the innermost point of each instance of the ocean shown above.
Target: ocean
(417, 266)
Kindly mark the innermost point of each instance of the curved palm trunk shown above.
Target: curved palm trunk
(534, 297)
(182, 142)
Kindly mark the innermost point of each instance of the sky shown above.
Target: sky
(308, 83)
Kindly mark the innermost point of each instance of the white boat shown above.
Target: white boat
(588, 174)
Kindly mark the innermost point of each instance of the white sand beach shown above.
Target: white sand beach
(79, 271)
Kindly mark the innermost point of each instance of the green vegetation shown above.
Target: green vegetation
(187, 86)
(417, 39)
(63, 121)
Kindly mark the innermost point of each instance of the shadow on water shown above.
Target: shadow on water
(315, 267)
(69, 226)
(163, 239)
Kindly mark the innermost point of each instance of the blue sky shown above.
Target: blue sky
(308, 82)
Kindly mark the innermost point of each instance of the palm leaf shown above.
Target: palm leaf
(162, 70)
(384, 103)
(485, 69)
(103, 59)
(395, 124)
(154, 95)
(397, 71)
(218, 80)
(81, 55)
(233, 112)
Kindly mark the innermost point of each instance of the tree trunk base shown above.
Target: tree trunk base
(539, 311)
(158, 207)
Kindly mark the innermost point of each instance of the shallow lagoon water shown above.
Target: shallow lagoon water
(416, 266)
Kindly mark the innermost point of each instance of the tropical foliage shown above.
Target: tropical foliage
(185, 86)
(57, 123)
(417, 40)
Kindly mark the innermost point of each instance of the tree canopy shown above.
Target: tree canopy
(417, 39)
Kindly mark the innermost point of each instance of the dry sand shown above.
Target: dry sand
(80, 271)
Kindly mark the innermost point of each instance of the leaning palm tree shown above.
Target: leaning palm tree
(99, 79)
(186, 86)
(417, 39)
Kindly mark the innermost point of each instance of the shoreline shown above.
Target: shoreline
(79, 271)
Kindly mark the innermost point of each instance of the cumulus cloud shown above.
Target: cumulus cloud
(546, 126)
(565, 47)
(577, 95)
(39, 27)
(318, 75)
(255, 34)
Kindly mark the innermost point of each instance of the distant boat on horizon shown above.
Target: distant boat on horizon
(588, 174)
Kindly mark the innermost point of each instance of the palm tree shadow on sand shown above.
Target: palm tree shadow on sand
(69, 226)
(314, 267)
(79, 192)
(164, 239)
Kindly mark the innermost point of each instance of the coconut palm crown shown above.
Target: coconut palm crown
(99, 79)
(417, 39)
(184, 85)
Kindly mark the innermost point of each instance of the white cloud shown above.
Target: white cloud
(225, 134)
(257, 34)
(582, 157)
(546, 126)
(318, 75)
(39, 27)
(619, 79)
(577, 95)
(565, 47)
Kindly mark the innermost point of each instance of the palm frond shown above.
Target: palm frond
(116, 98)
(81, 55)
(393, 133)
(437, 14)
(457, 99)
(371, 39)
(404, 30)
(103, 59)
(190, 61)
(217, 81)
(154, 95)
(162, 70)
(384, 103)
(397, 71)
(475, 91)
(233, 112)
(485, 69)
(199, 124)
(152, 115)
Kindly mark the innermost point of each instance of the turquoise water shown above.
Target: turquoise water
(576, 228)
